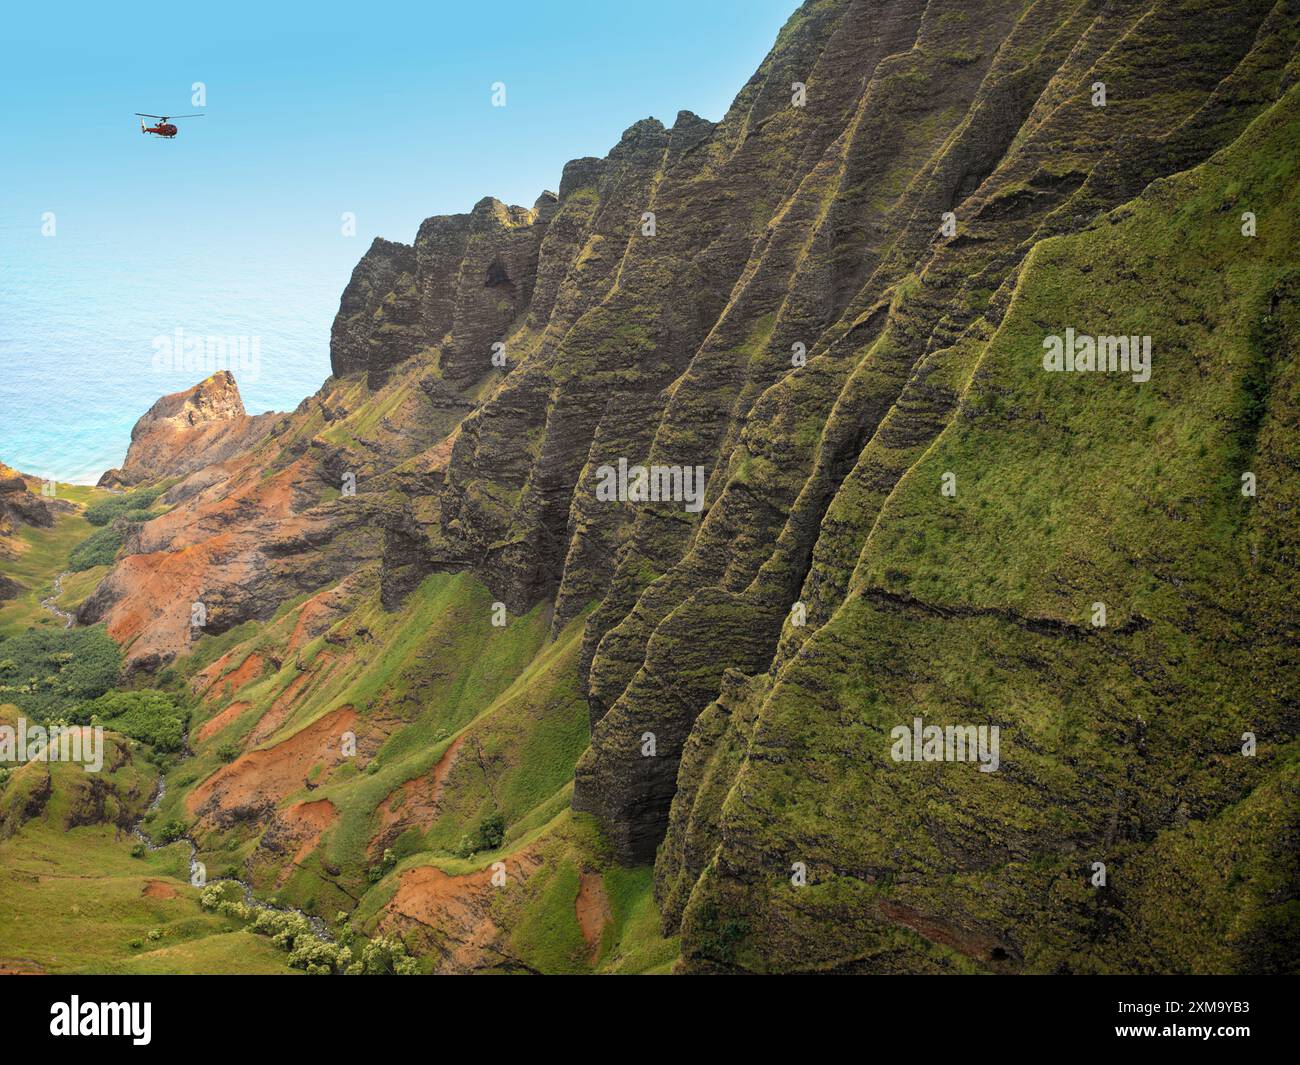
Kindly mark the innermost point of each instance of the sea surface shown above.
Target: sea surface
(89, 320)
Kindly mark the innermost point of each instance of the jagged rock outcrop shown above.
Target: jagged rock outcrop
(186, 431)
(378, 311)
(19, 505)
(454, 293)
(262, 523)
(832, 303)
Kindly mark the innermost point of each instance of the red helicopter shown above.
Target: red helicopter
(164, 127)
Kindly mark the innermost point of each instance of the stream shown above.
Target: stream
(318, 925)
(197, 873)
(48, 604)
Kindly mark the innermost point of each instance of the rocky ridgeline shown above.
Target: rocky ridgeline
(21, 505)
(831, 302)
(187, 431)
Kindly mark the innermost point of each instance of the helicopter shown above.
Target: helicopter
(165, 128)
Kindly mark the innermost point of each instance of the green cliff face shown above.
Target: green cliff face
(1120, 744)
(833, 304)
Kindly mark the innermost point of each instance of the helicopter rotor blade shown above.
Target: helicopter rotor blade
(185, 116)
(143, 115)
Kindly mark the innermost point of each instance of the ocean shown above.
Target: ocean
(89, 319)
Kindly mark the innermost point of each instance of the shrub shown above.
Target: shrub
(319, 957)
(47, 672)
(492, 832)
(106, 510)
(238, 909)
(147, 715)
(98, 549)
(284, 927)
(377, 873)
(384, 956)
(171, 831)
(490, 835)
(138, 517)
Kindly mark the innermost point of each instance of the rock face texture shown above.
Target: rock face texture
(833, 303)
(19, 505)
(241, 537)
(453, 294)
(189, 430)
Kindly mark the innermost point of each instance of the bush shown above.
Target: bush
(284, 927)
(98, 549)
(239, 910)
(138, 517)
(292, 932)
(377, 873)
(319, 957)
(171, 831)
(384, 956)
(103, 512)
(228, 752)
(490, 835)
(48, 672)
(148, 715)
(492, 832)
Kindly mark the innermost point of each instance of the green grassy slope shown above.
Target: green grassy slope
(1121, 744)
(948, 519)
(41, 555)
(76, 902)
(432, 677)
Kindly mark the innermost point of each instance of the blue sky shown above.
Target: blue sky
(233, 228)
(379, 109)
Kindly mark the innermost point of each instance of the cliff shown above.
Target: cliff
(188, 430)
(20, 507)
(833, 307)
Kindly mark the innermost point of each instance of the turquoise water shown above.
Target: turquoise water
(89, 316)
(233, 228)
